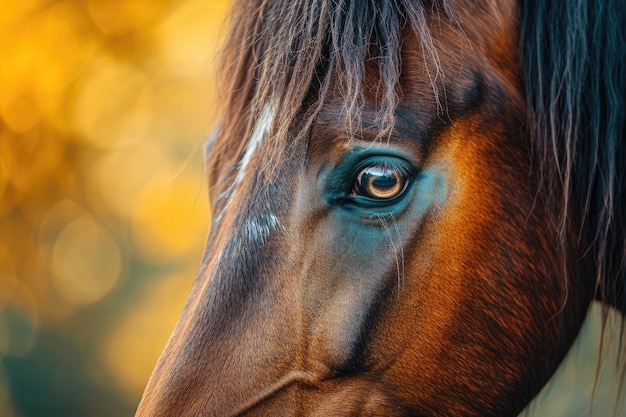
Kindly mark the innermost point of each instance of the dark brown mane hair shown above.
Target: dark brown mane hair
(574, 56)
(283, 54)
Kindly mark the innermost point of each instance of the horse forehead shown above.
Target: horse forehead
(423, 109)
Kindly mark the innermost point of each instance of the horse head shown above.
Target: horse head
(388, 238)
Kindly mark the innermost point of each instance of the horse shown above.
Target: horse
(415, 203)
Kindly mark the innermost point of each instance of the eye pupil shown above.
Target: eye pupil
(383, 182)
(380, 181)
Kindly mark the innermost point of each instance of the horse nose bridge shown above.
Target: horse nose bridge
(339, 308)
(341, 286)
(336, 336)
(238, 332)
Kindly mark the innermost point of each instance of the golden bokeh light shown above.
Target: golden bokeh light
(156, 314)
(162, 227)
(19, 113)
(111, 107)
(85, 261)
(184, 33)
(116, 179)
(118, 16)
(104, 106)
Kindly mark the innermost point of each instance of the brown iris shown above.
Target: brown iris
(380, 182)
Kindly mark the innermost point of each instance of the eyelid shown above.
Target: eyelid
(339, 179)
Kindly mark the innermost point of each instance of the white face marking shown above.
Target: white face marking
(259, 229)
(256, 230)
(217, 262)
(261, 130)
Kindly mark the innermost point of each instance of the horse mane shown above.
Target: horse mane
(573, 56)
(282, 55)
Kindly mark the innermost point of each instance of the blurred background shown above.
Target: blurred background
(104, 106)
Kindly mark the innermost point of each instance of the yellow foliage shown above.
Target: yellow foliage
(104, 106)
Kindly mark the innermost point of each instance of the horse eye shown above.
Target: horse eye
(380, 182)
